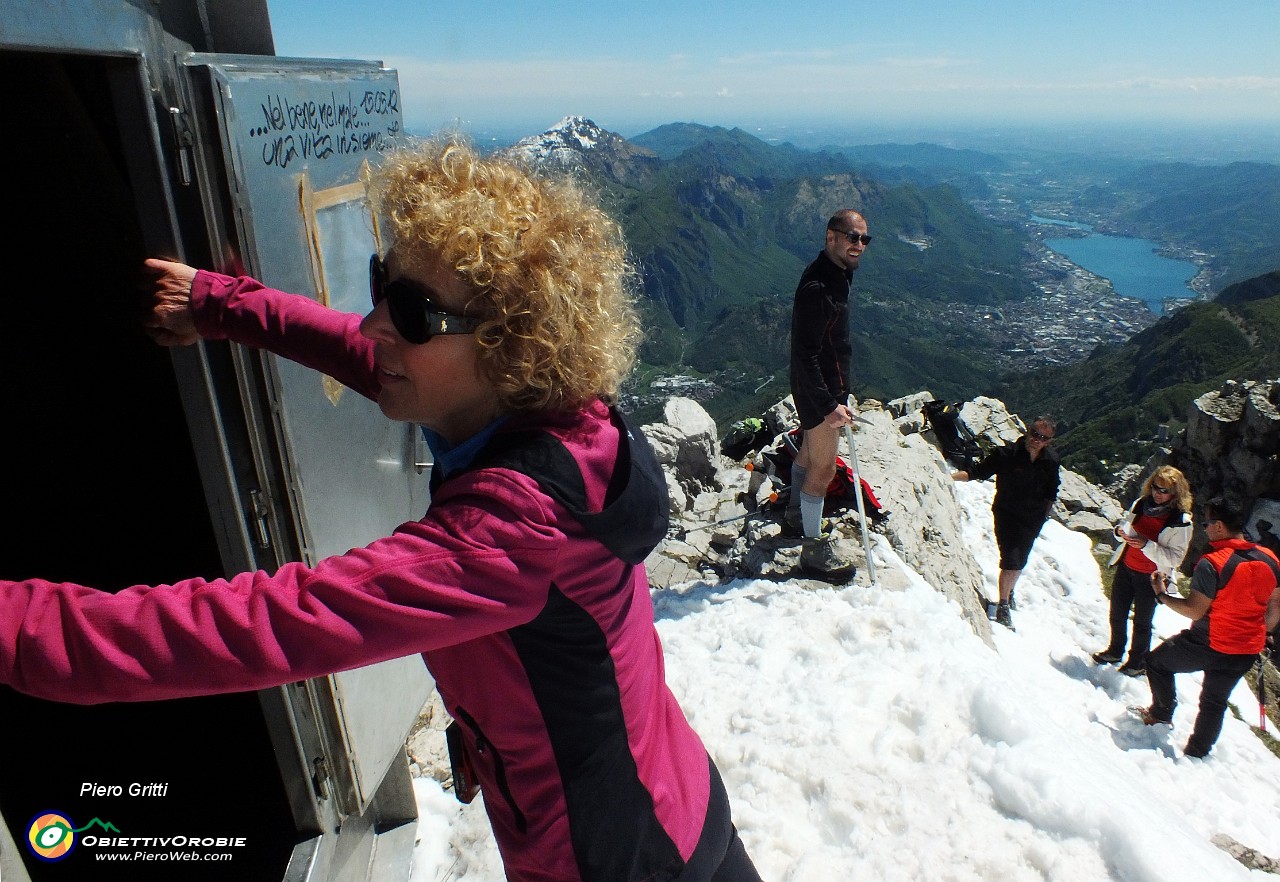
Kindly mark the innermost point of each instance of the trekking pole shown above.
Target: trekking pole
(862, 510)
(773, 498)
(1262, 690)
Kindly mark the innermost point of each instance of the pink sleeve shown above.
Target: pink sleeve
(245, 311)
(478, 566)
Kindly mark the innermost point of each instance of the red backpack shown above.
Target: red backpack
(840, 492)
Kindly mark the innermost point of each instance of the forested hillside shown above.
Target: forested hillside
(1112, 404)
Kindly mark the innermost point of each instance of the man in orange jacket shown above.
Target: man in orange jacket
(1234, 602)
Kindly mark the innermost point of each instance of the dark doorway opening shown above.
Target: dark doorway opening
(102, 488)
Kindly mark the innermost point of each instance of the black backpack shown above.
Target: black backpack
(745, 437)
(955, 439)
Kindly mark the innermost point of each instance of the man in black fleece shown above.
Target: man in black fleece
(820, 386)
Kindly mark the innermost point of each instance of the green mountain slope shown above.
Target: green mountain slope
(1112, 404)
(723, 230)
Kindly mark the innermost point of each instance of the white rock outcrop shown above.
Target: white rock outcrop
(724, 524)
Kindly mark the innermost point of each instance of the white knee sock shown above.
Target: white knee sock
(811, 514)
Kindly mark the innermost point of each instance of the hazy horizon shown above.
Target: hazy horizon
(1163, 143)
(1155, 77)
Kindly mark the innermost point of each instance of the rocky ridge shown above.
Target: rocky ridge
(724, 525)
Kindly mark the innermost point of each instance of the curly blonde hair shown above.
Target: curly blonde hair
(1168, 476)
(550, 272)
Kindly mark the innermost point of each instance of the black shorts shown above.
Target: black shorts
(809, 418)
(1015, 534)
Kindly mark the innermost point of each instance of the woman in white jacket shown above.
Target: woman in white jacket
(1156, 531)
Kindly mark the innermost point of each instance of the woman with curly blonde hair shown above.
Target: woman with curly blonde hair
(503, 325)
(1155, 532)
(545, 270)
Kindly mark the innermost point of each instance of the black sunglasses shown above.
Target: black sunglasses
(853, 237)
(1040, 436)
(1165, 490)
(413, 313)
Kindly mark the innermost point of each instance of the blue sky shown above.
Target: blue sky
(507, 65)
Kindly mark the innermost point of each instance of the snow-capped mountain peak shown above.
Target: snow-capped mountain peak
(577, 143)
(573, 133)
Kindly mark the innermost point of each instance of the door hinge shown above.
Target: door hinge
(260, 516)
(320, 777)
(183, 142)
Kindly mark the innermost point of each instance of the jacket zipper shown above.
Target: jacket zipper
(485, 747)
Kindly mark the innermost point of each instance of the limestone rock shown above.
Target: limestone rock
(1126, 483)
(1260, 432)
(1228, 452)
(1251, 858)
(687, 444)
(914, 483)
(1076, 494)
(1092, 524)
(726, 519)
(991, 422)
(908, 404)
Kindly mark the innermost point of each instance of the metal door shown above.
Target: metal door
(295, 135)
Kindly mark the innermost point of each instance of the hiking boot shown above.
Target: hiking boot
(1132, 670)
(1107, 657)
(1003, 617)
(1013, 599)
(1196, 750)
(822, 560)
(1150, 719)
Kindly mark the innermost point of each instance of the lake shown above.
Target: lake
(1132, 265)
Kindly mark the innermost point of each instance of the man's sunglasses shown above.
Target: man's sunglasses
(413, 313)
(1039, 436)
(854, 237)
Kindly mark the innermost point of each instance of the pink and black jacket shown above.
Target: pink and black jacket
(522, 586)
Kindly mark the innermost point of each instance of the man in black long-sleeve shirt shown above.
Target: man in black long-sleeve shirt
(1027, 481)
(820, 386)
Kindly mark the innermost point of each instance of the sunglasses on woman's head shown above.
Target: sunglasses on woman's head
(413, 313)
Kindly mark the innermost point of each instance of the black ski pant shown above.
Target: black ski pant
(1131, 589)
(1190, 651)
